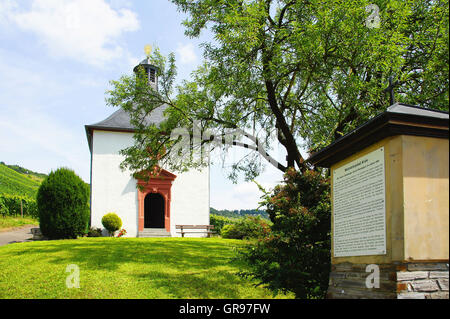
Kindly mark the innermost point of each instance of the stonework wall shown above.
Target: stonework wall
(423, 281)
(396, 280)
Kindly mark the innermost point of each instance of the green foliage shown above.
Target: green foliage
(111, 222)
(4, 210)
(299, 70)
(230, 231)
(295, 256)
(246, 228)
(239, 213)
(25, 171)
(238, 228)
(13, 205)
(94, 232)
(219, 222)
(15, 183)
(62, 202)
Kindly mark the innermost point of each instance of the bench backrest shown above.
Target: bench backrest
(194, 226)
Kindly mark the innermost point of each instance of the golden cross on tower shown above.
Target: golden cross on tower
(148, 50)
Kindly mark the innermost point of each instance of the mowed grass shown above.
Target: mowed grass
(9, 222)
(151, 268)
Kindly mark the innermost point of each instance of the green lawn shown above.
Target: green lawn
(9, 222)
(125, 268)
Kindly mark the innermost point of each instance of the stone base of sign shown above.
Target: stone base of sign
(425, 280)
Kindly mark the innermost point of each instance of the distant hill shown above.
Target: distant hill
(239, 213)
(16, 180)
(19, 169)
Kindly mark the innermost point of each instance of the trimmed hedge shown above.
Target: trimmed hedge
(112, 223)
(10, 206)
(62, 202)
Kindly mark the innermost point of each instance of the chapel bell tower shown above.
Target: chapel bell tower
(150, 69)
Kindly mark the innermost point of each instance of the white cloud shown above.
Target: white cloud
(186, 53)
(242, 196)
(85, 30)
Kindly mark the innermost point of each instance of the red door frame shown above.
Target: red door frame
(161, 184)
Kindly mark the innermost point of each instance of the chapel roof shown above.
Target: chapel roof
(119, 121)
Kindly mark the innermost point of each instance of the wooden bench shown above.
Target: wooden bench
(207, 229)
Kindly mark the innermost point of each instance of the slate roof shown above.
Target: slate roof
(146, 63)
(120, 121)
(398, 119)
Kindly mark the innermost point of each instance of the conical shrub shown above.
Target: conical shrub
(63, 207)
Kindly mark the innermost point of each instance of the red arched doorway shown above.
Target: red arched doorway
(161, 185)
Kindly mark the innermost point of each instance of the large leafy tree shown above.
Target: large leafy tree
(306, 72)
(303, 71)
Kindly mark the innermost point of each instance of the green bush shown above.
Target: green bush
(219, 221)
(112, 223)
(246, 228)
(62, 203)
(230, 231)
(295, 257)
(94, 232)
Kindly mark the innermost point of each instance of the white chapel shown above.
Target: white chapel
(162, 202)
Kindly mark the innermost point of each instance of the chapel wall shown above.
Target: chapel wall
(114, 190)
(190, 200)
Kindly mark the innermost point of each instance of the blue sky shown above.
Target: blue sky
(56, 60)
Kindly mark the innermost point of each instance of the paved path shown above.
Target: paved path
(16, 235)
